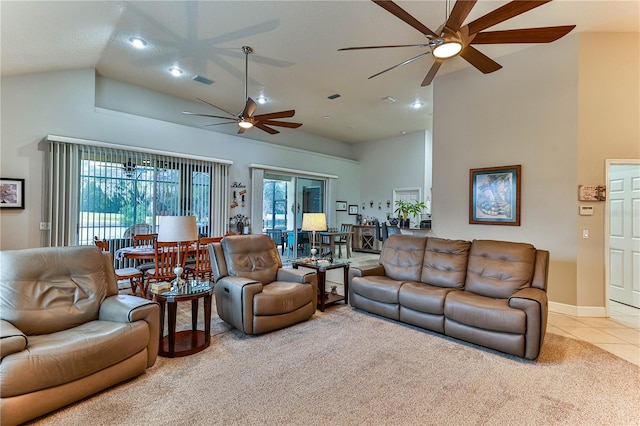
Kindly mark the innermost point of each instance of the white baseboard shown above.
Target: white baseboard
(578, 311)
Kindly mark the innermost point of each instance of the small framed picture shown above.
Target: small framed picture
(494, 195)
(353, 209)
(11, 193)
(341, 206)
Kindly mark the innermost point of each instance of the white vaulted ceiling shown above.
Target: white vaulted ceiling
(296, 63)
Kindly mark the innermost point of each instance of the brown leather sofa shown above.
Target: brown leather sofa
(65, 333)
(491, 293)
(253, 292)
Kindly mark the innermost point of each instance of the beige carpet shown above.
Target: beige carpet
(346, 367)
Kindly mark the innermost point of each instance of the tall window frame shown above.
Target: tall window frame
(98, 189)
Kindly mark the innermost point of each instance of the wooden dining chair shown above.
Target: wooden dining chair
(201, 269)
(345, 240)
(139, 240)
(134, 275)
(165, 261)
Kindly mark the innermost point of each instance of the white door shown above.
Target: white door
(624, 233)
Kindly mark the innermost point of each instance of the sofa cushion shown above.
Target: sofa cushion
(251, 256)
(423, 297)
(445, 262)
(45, 290)
(499, 268)
(379, 288)
(281, 297)
(402, 257)
(68, 355)
(484, 312)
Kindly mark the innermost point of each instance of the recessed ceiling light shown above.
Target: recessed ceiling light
(403, 132)
(326, 117)
(417, 104)
(176, 72)
(137, 42)
(261, 100)
(389, 100)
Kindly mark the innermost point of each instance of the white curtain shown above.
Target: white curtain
(60, 195)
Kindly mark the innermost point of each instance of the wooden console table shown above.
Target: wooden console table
(364, 239)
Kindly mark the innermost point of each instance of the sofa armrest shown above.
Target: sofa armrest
(377, 270)
(295, 275)
(533, 302)
(234, 301)
(125, 308)
(12, 340)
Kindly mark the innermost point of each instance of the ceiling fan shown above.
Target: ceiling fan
(246, 119)
(452, 39)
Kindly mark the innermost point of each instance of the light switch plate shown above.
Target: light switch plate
(586, 210)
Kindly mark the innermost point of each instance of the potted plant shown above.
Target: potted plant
(404, 208)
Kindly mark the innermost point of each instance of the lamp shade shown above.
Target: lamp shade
(177, 229)
(314, 222)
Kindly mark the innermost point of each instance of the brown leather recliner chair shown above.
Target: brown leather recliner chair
(65, 333)
(253, 292)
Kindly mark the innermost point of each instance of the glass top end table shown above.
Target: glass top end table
(321, 266)
(185, 342)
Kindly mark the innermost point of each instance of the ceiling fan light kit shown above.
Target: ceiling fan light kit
(246, 119)
(453, 39)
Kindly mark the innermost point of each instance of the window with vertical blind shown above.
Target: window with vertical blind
(103, 191)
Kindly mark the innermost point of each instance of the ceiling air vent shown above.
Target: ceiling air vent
(201, 79)
(334, 96)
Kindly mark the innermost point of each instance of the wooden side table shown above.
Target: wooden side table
(184, 342)
(321, 268)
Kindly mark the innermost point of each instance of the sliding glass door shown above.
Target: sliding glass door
(284, 200)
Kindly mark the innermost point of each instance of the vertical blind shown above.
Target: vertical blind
(110, 193)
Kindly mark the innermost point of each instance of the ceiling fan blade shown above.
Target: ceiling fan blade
(432, 72)
(384, 47)
(266, 129)
(249, 108)
(206, 115)
(479, 60)
(501, 14)
(524, 35)
(460, 11)
(281, 124)
(279, 114)
(401, 64)
(215, 106)
(219, 124)
(400, 13)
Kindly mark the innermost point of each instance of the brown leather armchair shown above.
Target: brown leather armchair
(65, 333)
(253, 292)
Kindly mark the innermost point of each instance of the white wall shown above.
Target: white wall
(399, 162)
(553, 109)
(63, 103)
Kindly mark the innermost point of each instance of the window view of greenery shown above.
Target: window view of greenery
(114, 196)
(274, 204)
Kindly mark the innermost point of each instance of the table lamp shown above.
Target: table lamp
(314, 222)
(177, 229)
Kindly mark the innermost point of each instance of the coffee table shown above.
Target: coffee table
(184, 342)
(321, 267)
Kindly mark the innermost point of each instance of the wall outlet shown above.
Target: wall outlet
(585, 233)
(45, 226)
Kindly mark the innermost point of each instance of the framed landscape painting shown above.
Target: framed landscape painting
(341, 206)
(11, 193)
(494, 195)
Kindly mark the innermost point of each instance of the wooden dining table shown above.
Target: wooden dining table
(331, 237)
(145, 252)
